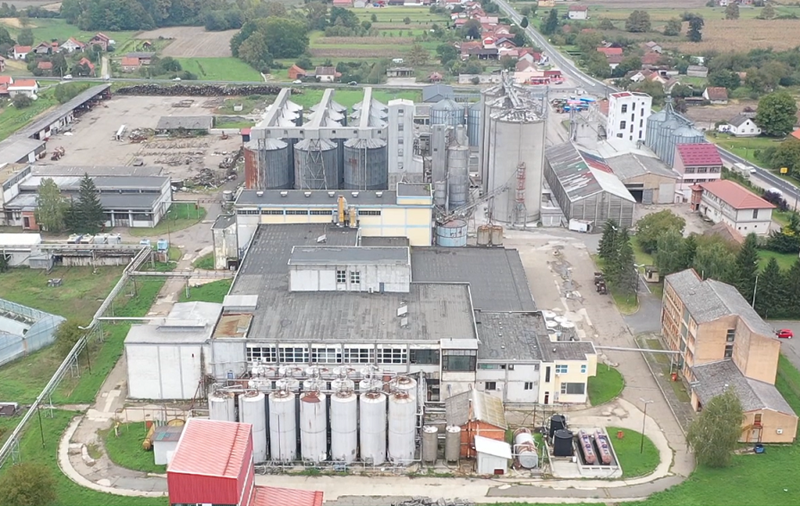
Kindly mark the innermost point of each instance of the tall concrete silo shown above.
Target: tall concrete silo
(458, 169)
(474, 123)
(366, 164)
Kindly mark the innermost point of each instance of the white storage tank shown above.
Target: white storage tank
(253, 410)
(313, 426)
(288, 384)
(404, 384)
(221, 406)
(402, 428)
(372, 421)
(344, 426)
(452, 443)
(341, 384)
(282, 426)
(525, 448)
(430, 444)
(370, 384)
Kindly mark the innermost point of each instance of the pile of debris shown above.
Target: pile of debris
(140, 134)
(183, 103)
(231, 160)
(208, 178)
(58, 153)
(199, 90)
(427, 501)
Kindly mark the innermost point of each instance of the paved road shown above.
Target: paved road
(789, 347)
(648, 318)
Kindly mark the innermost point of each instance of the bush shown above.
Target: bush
(21, 101)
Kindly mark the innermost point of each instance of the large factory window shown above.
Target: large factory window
(369, 213)
(341, 276)
(459, 360)
(359, 355)
(293, 355)
(272, 211)
(355, 277)
(573, 388)
(317, 212)
(326, 355)
(261, 354)
(392, 356)
(424, 356)
(297, 212)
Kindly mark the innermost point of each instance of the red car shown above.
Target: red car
(785, 334)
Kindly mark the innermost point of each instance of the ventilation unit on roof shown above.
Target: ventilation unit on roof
(322, 238)
(379, 194)
(402, 311)
(259, 194)
(284, 194)
(307, 194)
(404, 322)
(331, 194)
(354, 194)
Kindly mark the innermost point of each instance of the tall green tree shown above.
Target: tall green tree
(695, 32)
(87, 216)
(638, 22)
(551, 24)
(732, 11)
(772, 291)
(28, 484)
(714, 434)
(418, 55)
(746, 268)
(673, 27)
(776, 114)
(626, 277)
(650, 227)
(725, 78)
(471, 29)
(67, 334)
(669, 253)
(715, 261)
(792, 283)
(768, 12)
(688, 252)
(4, 260)
(25, 37)
(51, 206)
(607, 246)
(447, 53)
(524, 22)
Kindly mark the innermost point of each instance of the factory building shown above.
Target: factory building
(512, 129)
(646, 177)
(627, 113)
(586, 188)
(667, 129)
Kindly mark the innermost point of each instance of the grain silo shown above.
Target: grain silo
(313, 426)
(372, 421)
(282, 426)
(316, 165)
(344, 426)
(515, 163)
(474, 123)
(447, 112)
(366, 164)
(222, 406)
(267, 164)
(458, 169)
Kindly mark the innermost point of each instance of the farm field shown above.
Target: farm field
(12, 119)
(219, 69)
(744, 146)
(192, 41)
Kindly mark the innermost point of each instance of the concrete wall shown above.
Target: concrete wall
(511, 382)
(163, 371)
(756, 355)
(225, 245)
(663, 187)
(228, 355)
(400, 137)
(637, 110)
(375, 278)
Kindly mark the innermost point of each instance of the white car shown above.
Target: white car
(177, 79)
(67, 77)
(297, 81)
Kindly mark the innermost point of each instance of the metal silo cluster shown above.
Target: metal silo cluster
(666, 129)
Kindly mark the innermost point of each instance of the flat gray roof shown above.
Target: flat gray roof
(96, 170)
(496, 277)
(413, 190)
(435, 311)
(185, 122)
(17, 147)
(64, 109)
(384, 241)
(327, 198)
(630, 165)
(714, 378)
(133, 201)
(348, 255)
(224, 221)
(102, 183)
(187, 322)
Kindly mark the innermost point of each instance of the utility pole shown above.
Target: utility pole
(644, 421)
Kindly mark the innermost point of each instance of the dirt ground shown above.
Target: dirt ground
(743, 35)
(707, 116)
(694, 224)
(192, 41)
(92, 137)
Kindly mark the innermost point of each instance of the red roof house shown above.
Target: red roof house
(6, 79)
(735, 195)
(45, 65)
(698, 155)
(213, 464)
(651, 59)
(296, 72)
(610, 50)
(85, 61)
(130, 63)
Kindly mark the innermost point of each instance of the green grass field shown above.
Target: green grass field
(785, 260)
(124, 448)
(210, 292)
(662, 14)
(205, 262)
(180, 216)
(229, 123)
(638, 457)
(12, 119)
(220, 69)
(743, 146)
(49, 29)
(606, 385)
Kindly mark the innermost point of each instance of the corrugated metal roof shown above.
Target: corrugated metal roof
(475, 405)
(492, 447)
(578, 179)
(212, 448)
(714, 378)
(344, 255)
(272, 496)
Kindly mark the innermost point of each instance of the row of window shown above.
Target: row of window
(355, 277)
(300, 212)
(335, 355)
(702, 170)
(566, 388)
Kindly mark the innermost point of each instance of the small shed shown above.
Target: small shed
(201, 124)
(476, 413)
(165, 441)
(493, 456)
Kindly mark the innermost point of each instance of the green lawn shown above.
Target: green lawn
(180, 216)
(626, 304)
(68, 492)
(606, 385)
(232, 122)
(249, 104)
(124, 448)
(48, 29)
(209, 292)
(640, 255)
(785, 260)
(12, 119)
(205, 262)
(220, 69)
(636, 459)
(743, 146)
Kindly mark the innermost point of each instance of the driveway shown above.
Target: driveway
(789, 347)
(648, 318)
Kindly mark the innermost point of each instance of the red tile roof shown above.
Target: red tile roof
(704, 154)
(610, 50)
(651, 58)
(272, 496)
(245, 131)
(795, 134)
(22, 49)
(24, 83)
(717, 93)
(735, 195)
(45, 65)
(6, 79)
(224, 458)
(129, 61)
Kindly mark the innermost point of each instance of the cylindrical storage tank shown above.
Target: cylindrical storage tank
(253, 410)
(457, 175)
(568, 331)
(402, 428)
(282, 426)
(452, 234)
(548, 315)
(557, 422)
(341, 384)
(316, 165)
(484, 235)
(312, 385)
(344, 426)
(372, 421)
(525, 448)
(447, 112)
(452, 443)
(474, 124)
(562, 443)
(440, 193)
(366, 164)
(221, 406)
(430, 444)
(406, 385)
(497, 235)
(290, 384)
(274, 171)
(313, 427)
(368, 384)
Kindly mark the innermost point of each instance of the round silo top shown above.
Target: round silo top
(445, 104)
(687, 132)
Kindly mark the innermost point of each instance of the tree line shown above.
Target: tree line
(83, 214)
(616, 252)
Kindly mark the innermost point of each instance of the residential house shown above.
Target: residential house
(723, 343)
(27, 87)
(296, 72)
(130, 64)
(650, 60)
(435, 77)
(741, 126)
(726, 201)
(614, 60)
(327, 74)
(652, 47)
(610, 50)
(43, 48)
(85, 62)
(20, 52)
(717, 95)
(72, 44)
(100, 39)
(45, 66)
(145, 57)
(400, 72)
(343, 3)
(579, 12)
(697, 71)
(696, 163)
(5, 81)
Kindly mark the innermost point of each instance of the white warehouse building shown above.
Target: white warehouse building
(627, 116)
